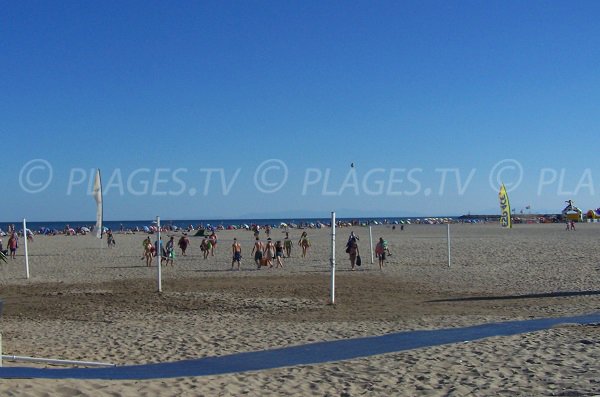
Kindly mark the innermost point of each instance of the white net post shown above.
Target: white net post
(371, 243)
(333, 258)
(448, 238)
(26, 253)
(158, 254)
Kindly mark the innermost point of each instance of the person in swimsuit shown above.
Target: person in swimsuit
(353, 253)
(279, 254)
(237, 253)
(110, 239)
(304, 242)
(287, 243)
(13, 244)
(204, 247)
(183, 244)
(213, 240)
(144, 246)
(257, 251)
(380, 251)
(159, 249)
(351, 237)
(148, 252)
(170, 252)
(270, 252)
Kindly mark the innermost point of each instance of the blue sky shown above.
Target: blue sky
(427, 99)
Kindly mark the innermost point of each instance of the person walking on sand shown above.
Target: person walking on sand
(148, 251)
(213, 241)
(287, 243)
(13, 244)
(159, 249)
(257, 251)
(270, 252)
(351, 237)
(279, 254)
(304, 243)
(29, 235)
(183, 244)
(237, 253)
(204, 247)
(380, 252)
(386, 248)
(170, 252)
(145, 246)
(110, 239)
(353, 253)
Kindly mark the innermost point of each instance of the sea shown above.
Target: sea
(196, 223)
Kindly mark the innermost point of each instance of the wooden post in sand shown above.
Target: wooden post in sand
(332, 258)
(158, 254)
(26, 253)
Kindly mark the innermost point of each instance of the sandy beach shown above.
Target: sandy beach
(85, 301)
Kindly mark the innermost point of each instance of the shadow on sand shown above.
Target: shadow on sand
(562, 294)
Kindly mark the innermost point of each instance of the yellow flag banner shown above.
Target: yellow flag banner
(505, 220)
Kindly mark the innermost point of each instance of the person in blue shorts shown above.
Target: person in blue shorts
(237, 253)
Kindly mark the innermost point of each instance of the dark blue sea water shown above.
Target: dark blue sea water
(184, 223)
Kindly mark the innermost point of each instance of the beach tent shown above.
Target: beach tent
(593, 214)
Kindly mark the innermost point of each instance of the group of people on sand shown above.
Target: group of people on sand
(266, 254)
(381, 251)
(208, 245)
(167, 252)
(12, 244)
